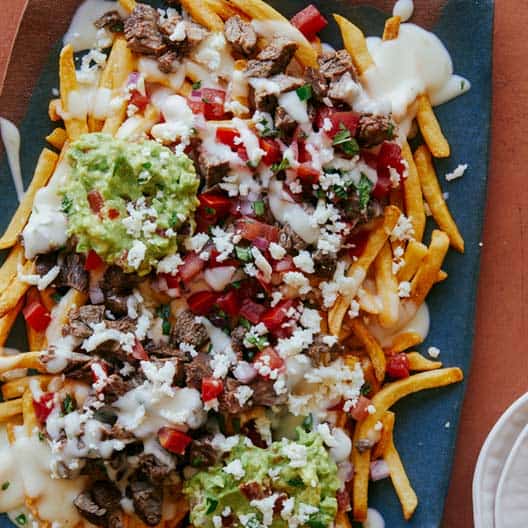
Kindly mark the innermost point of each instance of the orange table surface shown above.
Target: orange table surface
(500, 361)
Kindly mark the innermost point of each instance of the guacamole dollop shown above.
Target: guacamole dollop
(126, 201)
(299, 474)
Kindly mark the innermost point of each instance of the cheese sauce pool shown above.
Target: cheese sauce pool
(11, 141)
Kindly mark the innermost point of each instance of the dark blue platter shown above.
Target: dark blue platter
(426, 423)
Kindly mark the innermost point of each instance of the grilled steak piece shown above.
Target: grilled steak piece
(142, 32)
(187, 330)
(264, 393)
(325, 263)
(323, 354)
(318, 83)
(284, 122)
(273, 59)
(290, 240)
(72, 273)
(240, 35)
(336, 63)
(111, 20)
(148, 500)
(196, 370)
(374, 129)
(265, 98)
(212, 169)
(80, 319)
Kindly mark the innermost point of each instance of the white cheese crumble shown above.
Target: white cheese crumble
(277, 252)
(304, 261)
(404, 289)
(403, 230)
(235, 468)
(136, 254)
(243, 393)
(433, 351)
(297, 280)
(457, 173)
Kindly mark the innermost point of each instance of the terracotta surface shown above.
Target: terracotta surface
(500, 361)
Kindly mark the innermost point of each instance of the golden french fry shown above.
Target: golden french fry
(400, 480)
(374, 350)
(23, 360)
(9, 268)
(57, 138)
(417, 362)
(7, 322)
(392, 28)
(382, 401)
(396, 198)
(222, 8)
(260, 10)
(355, 44)
(430, 128)
(73, 298)
(412, 192)
(358, 270)
(442, 276)
(387, 421)
(414, 254)
(53, 110)
(316, 44)
(203, 14)
(433, 195)
(75, 126)
(45, 167)
(28, 412)
(186, 88)
(342, 520)
(387, 287)
(428, 271)
(16, 387)
(368, 302)
(128, 5)
(405, 341)
(370, 376)
(15, 290)
(9, 409)
(46, 296)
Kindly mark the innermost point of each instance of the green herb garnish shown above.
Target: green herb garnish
(308, 423)
(296, 482)
(284, 164)
(345, 141)
(258, 341)
(258, 207)
(365, 388)
(5, 485)
(364, 187)
(243, 254)
(68, 405)
(21, 519)
(245, 323)
(66, 204)
(197, 85)
(211, 505)
(304, 92)
(163, 312)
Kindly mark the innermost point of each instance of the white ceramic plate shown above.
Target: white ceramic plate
(511, 504)
(492, 461)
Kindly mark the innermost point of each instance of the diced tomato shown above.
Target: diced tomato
(113, 213)
(215, 263)
(37, 316)
(251, 229)
(138, 352)
(251, 310)
(43, 406)
(93, 261)
(359, 241)
(202, 302)
(173, 281)
(229, 303)
(227, 136)
(274, 317)
(309, 21)
(211, 388)
(272, 149)
(307, 174)
(360, 410)
(349, 120)
(370, 158)
(268, 358)
(390, 156)
(139, 100)
(242, 153)
(173, 440)
(95, 200)
(197, 107)
(213, 103)
(192, 265)
(299, 138)
(398, 366)
(323, 112)
(219, 202)
(383, 184)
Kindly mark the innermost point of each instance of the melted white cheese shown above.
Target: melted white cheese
(11, 141)
(404, 9)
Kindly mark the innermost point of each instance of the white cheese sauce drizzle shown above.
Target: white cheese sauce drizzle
(11, 140)
(404, 9)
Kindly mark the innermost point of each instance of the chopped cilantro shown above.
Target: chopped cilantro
(390, 130)
(363, 189)
(284, 164)
(345, 141)
(236, 285)
(41, 436)
(308, 423)
(245, 323)
(21, 519)
(320, 194)
(147, 165)
(259, 341)
(258, 207)
(366, 388)
(66, 204)
(236, 425)
(296, 482)
(206, 101)
(211, 505)
(56, 297)
(267, 129)
(164, 312)
(197, 85)
(315, 521)
(5, 485)
(197, 461)
(340, 192)
(304, 92)
(173, 219)
(68, 405)
(243, 254)
(210, 210)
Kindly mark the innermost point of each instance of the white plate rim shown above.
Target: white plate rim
(503, 436)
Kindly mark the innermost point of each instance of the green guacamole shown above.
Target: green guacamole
(309, 478)
(127, 200)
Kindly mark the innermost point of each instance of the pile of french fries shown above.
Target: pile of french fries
(422, 263)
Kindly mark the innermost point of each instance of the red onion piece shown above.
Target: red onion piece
(261, 243)
(379, 470)
(94, 289)
(219, 278)
(133, 78)
(244, 372)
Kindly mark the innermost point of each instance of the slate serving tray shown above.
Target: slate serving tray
(426, 423)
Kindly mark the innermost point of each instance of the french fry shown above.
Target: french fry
(358, 270)
(45, 167)
(392, 28)
(435, 199)
(46, 296)
(260, 10)
(382, 401)
(7, 322)
(54, 110)
(428, 271)
(23, 360)
(374, 350)
(222, 8)
(430, 128)
(57, 138)
(28, 412)
(186, 88)
(75, 126)
(414, 254)
(128, 5)
(417, 362)
(370, 376)
(316, 44)
(15, 388)
(368, 302)
(400, 480)
(412, 192)
(9, 409)
(442, 276)
(342, 520)
(387, 287)
(9, 268)
(203, 14)
(15, 290)
(387, 421)
(73, 298)
(355, 44)
(405, 341)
